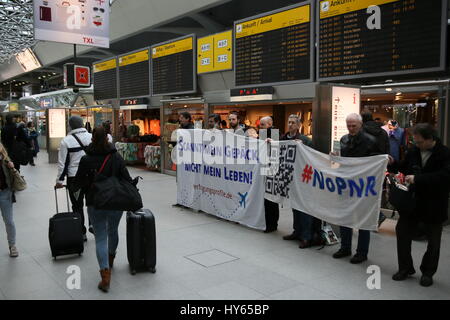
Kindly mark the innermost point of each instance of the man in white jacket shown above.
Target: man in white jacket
(71, 151)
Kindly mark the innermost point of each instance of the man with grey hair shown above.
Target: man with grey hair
(357, 143)
(71, 151)
(303, 223)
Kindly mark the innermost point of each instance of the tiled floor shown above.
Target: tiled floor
(199, 257)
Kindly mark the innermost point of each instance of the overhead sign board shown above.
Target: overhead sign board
(173, 67)
(377, 38)
(83, 22)
(215, 52)
(275, 47)
(134, 74)
(105, 79)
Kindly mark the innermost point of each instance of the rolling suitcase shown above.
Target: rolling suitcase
(65, 232)
(141, 241)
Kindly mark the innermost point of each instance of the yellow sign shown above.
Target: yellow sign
(13, 106)
(105, 65)
(133, 58)
(173, 47)
(331, 8)
(276, 21)
(214, 53)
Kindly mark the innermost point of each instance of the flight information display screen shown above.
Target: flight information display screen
(274, 48)
(134, 74)
(367, 38)
(105, 80)
(173, 67)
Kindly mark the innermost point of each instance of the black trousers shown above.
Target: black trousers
(272, 213)
(77, 202)
(406, 230)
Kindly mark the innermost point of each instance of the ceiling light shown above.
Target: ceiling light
(388, 89)
(398, 93)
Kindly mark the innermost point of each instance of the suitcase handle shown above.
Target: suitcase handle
(67, 196)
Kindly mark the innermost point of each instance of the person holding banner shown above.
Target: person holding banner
(186, 121)
(214, 121)
(303, 223)
(357, 143)
(427, 170)
(235, 124)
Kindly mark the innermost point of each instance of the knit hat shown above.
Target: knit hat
(75, 122)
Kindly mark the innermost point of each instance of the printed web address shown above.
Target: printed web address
(221, 193)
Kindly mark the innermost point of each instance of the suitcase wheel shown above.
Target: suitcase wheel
(152, 269)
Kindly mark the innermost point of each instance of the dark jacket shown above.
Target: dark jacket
(431, 182)
(306, 141)
(382, 139)
(11, 133)
(91, 163)
(360, 145)
(190, 125)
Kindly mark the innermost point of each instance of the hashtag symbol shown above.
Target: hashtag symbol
(307, 173)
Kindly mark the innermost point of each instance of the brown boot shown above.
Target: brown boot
(106, 279)
(111, 260)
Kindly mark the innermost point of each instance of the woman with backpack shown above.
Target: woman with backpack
(102, 159)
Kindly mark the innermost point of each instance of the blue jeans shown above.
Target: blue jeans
(303, 225)
(363, 240)
(6, 207)
(106, 226)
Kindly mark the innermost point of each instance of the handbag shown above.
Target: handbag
(401, 198)
(115, 193)
(18, 181)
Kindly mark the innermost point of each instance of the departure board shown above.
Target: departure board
(173, 67)
(370, 38)
(105, 80)
(134, 74)
(274, 48)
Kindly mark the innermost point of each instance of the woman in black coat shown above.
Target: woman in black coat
(100, 154)
(427, 170)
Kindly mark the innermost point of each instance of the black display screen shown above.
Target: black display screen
(274, 48)
(134, 75)
(173, 67)
(394, 37)
(105, 80)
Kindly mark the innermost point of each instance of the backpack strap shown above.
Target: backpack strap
(104, 163)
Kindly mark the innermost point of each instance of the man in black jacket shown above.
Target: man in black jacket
(356, 143)
(12, 135)
(382, 141)
(427, 170)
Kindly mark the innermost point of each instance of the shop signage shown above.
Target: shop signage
(13, 106)
(133, 102)
(377, 38)
(105, 79)
(77, 75)
(173, 67)
(345, 100)
(275, 47)
(214, 53)
(72, 21)
(251, 94)
(46, 103)
(134, 74)
(57, 123)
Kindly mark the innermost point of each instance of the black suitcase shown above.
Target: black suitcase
(141, 241)
(65, 232)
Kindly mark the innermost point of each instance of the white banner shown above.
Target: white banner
(338, 190)
(219, 173)
(72, 21)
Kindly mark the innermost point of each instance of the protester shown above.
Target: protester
(235, 124)
(271, 209)
(104, 222)
(214, 122)
(185, 119)
(6, 201)
(382, 142)
(356, 143)
(70, 152)
(303, 223)
(427, 170)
